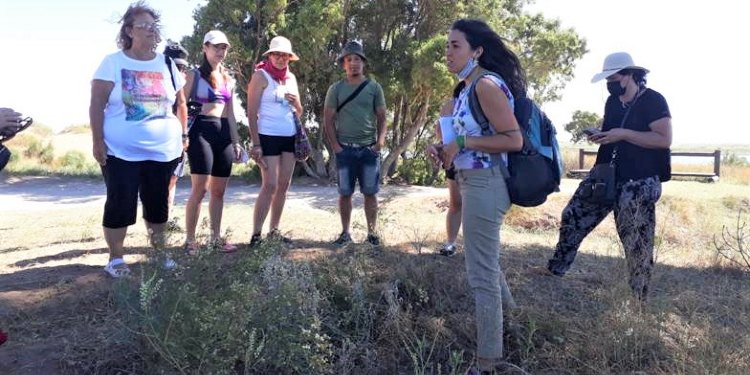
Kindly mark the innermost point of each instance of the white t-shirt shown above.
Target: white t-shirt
(138, 120)
(275, 116)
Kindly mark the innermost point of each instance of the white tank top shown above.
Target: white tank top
(275, 115)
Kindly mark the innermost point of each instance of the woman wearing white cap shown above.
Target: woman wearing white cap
(214, 141)
(272, 102)
(635, 138)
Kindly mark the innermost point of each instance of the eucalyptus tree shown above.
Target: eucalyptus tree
(404, 41)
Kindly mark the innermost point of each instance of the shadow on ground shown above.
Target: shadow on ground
(72, 305)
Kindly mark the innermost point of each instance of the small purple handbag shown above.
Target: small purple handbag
(302, 148)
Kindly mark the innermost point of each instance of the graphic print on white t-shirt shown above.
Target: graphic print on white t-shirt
(143, 94)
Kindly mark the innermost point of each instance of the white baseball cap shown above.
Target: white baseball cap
(614, 63)
(216, 37)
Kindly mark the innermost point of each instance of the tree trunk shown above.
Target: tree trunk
(411, 128)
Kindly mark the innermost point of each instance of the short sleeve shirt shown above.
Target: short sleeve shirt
(635, 162)
(356, 122)
(139, 123)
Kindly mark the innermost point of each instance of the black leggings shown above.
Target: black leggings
(210, 150)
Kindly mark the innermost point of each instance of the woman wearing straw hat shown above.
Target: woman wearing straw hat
(214, 140)
(272, 102)
(635, 138)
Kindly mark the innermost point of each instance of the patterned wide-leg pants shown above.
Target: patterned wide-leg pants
(635, 218)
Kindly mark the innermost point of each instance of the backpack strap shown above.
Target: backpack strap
(478, 114)
(194, 87)
(353, 95)
(168, 61)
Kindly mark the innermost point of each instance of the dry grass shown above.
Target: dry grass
(732, 173)
(402, 310)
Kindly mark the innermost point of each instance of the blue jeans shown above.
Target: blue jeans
(358, 163)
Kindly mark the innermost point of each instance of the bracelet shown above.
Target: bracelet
(461, 141)
(185, 135)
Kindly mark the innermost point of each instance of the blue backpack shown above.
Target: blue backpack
(535, 171)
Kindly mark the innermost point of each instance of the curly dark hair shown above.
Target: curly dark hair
(496, 56)
(124, 41)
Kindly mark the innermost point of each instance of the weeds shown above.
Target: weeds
(732, 245)
(270, 311)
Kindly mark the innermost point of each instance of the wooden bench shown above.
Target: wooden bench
(716, 155)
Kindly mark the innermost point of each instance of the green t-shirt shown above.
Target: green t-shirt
(356, 122)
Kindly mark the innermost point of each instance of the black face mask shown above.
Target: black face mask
(615, 89)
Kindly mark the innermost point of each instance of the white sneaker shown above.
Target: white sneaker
(169, 263)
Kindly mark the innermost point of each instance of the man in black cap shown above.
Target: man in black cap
(354, 120)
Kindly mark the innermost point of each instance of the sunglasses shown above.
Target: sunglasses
(150, 26)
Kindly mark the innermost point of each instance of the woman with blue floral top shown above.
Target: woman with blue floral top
(473, 51)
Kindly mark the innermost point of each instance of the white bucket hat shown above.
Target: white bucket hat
(283, 45)
(614, 63)
(216, 37)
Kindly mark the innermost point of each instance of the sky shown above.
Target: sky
(694, 50)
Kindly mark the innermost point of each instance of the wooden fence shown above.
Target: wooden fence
(716, 155)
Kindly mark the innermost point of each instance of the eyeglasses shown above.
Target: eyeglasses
(150, 26)
(280, 55)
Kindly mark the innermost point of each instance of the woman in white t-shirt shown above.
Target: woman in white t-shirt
(272, 102)
(137, 138)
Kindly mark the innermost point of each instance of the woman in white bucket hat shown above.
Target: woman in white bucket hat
(272, 102)
(635, 137)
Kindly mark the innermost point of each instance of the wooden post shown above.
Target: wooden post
(581, 155)
(717, 163)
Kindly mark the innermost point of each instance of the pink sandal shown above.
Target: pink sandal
(224, 246)
(191, 248)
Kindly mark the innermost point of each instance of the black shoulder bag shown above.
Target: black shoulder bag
(353, 95)
(600, 186)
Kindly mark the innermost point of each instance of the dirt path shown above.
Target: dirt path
(44, 193)
(51, 278)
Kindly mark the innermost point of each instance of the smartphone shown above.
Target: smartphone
(591, 131)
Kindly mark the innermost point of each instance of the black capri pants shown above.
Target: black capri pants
(210, 151)
(125, 180)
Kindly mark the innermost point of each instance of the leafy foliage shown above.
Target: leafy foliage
(404, 42)
(582, 120)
